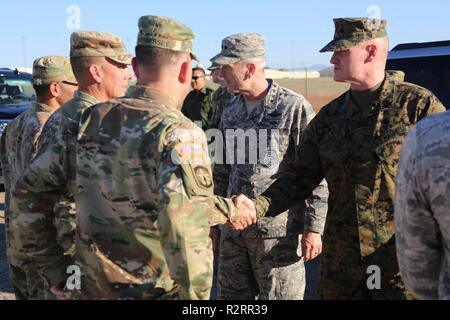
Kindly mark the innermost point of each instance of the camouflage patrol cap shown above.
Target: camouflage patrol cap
(165, 33)
(50, 69)
(352, 31)
(98, 44)
(240, 46)
(214, 66)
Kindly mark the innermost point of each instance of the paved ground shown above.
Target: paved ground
(5, 287)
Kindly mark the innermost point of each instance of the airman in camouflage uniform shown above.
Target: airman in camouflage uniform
(264, 260)
(99, 61)
(198, 105)
(355, 144)
(144, 197)
(55, 84)
(422, 209)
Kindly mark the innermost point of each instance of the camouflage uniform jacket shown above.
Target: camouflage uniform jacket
(20, 147)
(357, 151)
(198, 106)
(220, 99)
(145, 200)
(273, 130)
(422, 209)
(48, 180)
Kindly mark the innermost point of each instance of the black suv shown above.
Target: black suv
(16, 96)
(426, 64)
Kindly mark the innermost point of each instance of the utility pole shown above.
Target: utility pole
(306, 79)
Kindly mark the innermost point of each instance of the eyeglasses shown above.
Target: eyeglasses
(197, 77)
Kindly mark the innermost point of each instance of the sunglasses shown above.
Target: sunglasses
(197, 77)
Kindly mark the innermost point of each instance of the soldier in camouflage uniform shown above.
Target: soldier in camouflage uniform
(264, 260)
(198, 104)
(354, 142)
(100, 64)
(54, 84)
(145, 198)
(422, 209)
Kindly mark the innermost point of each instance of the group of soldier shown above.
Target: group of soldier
(119, 182)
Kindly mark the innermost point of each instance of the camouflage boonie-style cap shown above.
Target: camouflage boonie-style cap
(350, 32)
(50, 69)
(98, 44)
(240, 46)
(165, 33)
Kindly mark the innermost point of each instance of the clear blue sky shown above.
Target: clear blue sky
(295, 30)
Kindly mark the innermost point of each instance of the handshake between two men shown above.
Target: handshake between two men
(311, 241)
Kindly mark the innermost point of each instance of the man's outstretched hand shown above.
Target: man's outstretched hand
(246, 212)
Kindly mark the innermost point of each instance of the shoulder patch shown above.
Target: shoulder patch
(203, 177)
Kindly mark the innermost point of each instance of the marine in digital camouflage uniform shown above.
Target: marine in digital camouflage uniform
(44, 195)
(263, 261)
(356, 148)
(422, 209)
(55, 83)
(145, 199)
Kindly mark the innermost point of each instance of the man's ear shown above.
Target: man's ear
(134, 64)
(185, 74)
(372, 51)
(251, 69)
(54, 89)
(96, 72)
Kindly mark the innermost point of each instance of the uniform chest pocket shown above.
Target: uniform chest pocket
(387, 148)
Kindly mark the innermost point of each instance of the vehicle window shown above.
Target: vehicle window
(16, 91)
(432, 73)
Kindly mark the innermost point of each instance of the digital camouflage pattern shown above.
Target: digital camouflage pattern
(145, 200)
(273, 130)
(220, 98)
(198, 107)
(422, 209)
(350, 32)
(357, 152)
(43, 235)
(240, 46)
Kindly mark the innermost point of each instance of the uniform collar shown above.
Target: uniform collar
(268, 104)
(42, 107)
(85, 97)
(383, 101)
(141, 92)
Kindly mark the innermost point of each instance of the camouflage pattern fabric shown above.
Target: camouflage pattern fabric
(357, 151)
(263, 269)
(145, 200)
(98, 44)
(220, 99)
(240, 46)
(273, 130)
(46, 183)
(350, 32)
(422, 209)
(165, 33)
(197, 106)
(50, 69)
(21, 145)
